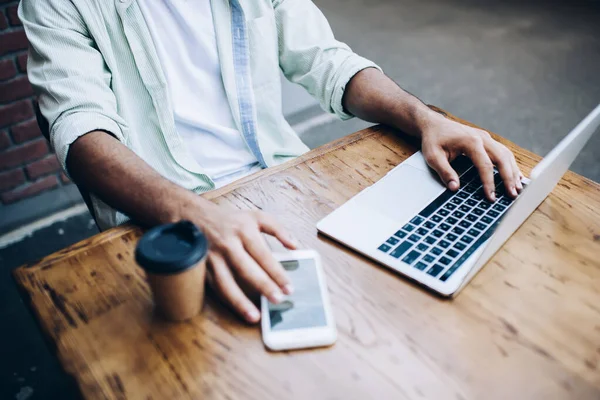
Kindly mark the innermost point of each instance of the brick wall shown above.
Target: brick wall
(27, 166)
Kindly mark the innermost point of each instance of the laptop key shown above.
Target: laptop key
(474, 232)
(436, 218)
(462, 195)
(466, 239)
(430, 240)
(451, 220)
(414, 238)
(464, 208)
(499, 207)
(444, 244)
(506, 201)
(465, 224)
(422, 247)
(458, 214)
(451, 237)
(478, 211)
(400, 234)
(443, 212)
(457, 230)
(398, 251)
(435, 270)
(448, 274)
(484, 204)
(384, 247)
(428, 259)
(437, 233)
(411, 257)
(471, 217)
(460, 246)
(392, 241)
(450, 206)
(452, 253)
(436, 251)
(445, 260)
(472, 202)
(422, 231)
(478, 195)
(429, 225)
(444, 227)
(480, 226)
(408, 227)
(493, 213)
(420, 266)
(486, 220)
(456, 200)
(416, 220)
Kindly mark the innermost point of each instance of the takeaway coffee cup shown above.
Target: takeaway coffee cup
(174, 258)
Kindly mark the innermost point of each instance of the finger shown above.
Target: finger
(270, 226)
(476, 152)
(258, 249)
(502, 158)
(438, 160)
(248, 270)
(225, 285)
(518, 174)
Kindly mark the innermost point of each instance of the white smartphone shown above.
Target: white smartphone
(304, 318)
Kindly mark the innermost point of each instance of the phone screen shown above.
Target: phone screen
(304, 308)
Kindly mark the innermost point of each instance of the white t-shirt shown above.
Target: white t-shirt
(184, 37)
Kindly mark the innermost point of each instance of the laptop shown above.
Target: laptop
(408, 221)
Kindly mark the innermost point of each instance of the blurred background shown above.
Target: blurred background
(528, 70)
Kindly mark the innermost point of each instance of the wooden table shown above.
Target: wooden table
(527, 327)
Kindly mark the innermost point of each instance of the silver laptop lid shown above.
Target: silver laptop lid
(544, 178)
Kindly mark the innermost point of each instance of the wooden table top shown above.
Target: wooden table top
(528, 326)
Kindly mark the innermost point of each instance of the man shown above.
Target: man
(151, 102)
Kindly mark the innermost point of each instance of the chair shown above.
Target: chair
(45, 129)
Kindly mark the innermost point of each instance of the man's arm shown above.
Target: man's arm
(372, 96)
(238, 251)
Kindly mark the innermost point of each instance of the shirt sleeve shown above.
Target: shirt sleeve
(310, 56)
(68, 74)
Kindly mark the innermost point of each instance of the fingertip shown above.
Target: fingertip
(453, 185)
(288, 289)
(252, 316)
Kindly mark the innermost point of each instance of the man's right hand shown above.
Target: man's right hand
(240, 257)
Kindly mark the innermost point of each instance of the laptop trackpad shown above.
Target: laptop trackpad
(402, 193)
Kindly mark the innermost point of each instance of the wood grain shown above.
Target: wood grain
(528, 326)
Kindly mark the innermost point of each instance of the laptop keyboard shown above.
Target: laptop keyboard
(442, 236)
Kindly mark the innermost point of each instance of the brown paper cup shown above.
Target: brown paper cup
(179, 297)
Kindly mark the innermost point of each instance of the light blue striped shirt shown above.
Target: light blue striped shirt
(94, 67)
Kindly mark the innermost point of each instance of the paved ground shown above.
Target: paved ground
(528, 70)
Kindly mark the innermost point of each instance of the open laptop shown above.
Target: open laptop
(409, 222)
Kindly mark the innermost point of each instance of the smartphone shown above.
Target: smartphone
(303, 319)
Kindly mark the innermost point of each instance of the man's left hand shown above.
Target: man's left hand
(443, 140)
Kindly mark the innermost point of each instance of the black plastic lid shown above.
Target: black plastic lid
(170, 249)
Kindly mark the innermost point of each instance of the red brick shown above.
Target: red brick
(15, 112)
(4, 140)
(25, 131)
(18, 155)
(11, 179)
(13, 18)
(3, 22)
(15, 89)
(42, 167)
(22, 62)
(31, 189)
(64, 178)
(7, 69)
(13, 41)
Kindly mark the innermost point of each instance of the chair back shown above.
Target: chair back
(45, 129)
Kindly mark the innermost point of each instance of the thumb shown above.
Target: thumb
(439, 162)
